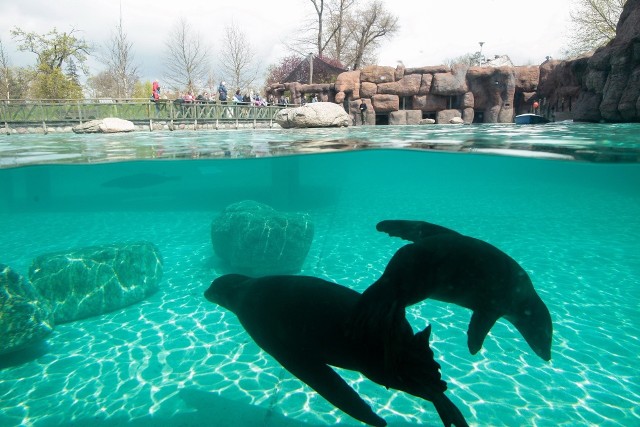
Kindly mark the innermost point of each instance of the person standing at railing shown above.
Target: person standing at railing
(237, 98)
(222, 93)
(155, 94)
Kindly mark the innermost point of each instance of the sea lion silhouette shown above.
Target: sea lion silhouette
(300, 321)
(445, 265)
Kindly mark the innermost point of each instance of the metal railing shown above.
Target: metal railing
(15, 113)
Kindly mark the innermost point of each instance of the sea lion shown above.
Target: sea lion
(447, 266)
(300, 321)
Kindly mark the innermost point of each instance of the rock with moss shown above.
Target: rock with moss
(95, 280)
(254, 239)
(25, 317)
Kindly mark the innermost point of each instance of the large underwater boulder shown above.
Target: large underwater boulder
(255, 239)
(95, 280)
(25, 317)
(313, 115)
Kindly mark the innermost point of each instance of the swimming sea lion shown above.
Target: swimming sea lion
(300, 321)
(448, 266)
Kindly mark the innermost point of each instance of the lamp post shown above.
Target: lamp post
(480, 53)
(311, 68)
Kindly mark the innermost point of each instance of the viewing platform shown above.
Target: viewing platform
(44, 116)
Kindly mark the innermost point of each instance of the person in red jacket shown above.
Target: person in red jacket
(155, 90)
(155, 94)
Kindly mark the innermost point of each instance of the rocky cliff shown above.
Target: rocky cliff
(603, 87)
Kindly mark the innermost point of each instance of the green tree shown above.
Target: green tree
(592, 25)
(142, 89)
(55, 49)
(54, 84)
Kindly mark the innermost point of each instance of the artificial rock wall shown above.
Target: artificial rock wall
(602, 87)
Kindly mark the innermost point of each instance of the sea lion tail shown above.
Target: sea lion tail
(448, 411)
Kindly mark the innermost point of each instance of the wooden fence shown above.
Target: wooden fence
(16, 113)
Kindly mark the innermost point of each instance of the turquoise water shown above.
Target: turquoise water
(177, 360)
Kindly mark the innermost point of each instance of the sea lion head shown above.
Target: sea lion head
(226, 290)
(533, 320)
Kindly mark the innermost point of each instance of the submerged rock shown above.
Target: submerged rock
(95, 280)
(107, 125)
(313, 115)
(255, 239)
(25, 317)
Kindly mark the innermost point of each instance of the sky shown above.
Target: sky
(430, 31)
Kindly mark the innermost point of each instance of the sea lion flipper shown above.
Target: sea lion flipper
(414, 231)
(327, 383)
(479, 326)
(448, 411)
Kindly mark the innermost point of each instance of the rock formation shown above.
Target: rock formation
(95, 280)
(313, 115)
(255, 239)
(25, 318)
(486, 94)
(107, 125)
(603, 87)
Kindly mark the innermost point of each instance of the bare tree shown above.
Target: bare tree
(187, 61)
(339, 33)
(592, 24)
(101, 85)
(237, 58)
(311, 36)
(14, 81)
(118, 58)
(5, 74)
(373, 24)
(343, 30)
(319, 7)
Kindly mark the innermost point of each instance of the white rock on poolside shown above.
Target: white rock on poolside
(106, 125)
(313, 115)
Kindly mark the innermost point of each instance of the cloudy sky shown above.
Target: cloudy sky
(431, 31)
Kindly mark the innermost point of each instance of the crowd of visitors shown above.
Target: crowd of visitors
(222, 97)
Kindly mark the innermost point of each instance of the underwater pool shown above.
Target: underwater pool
(563, 200)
